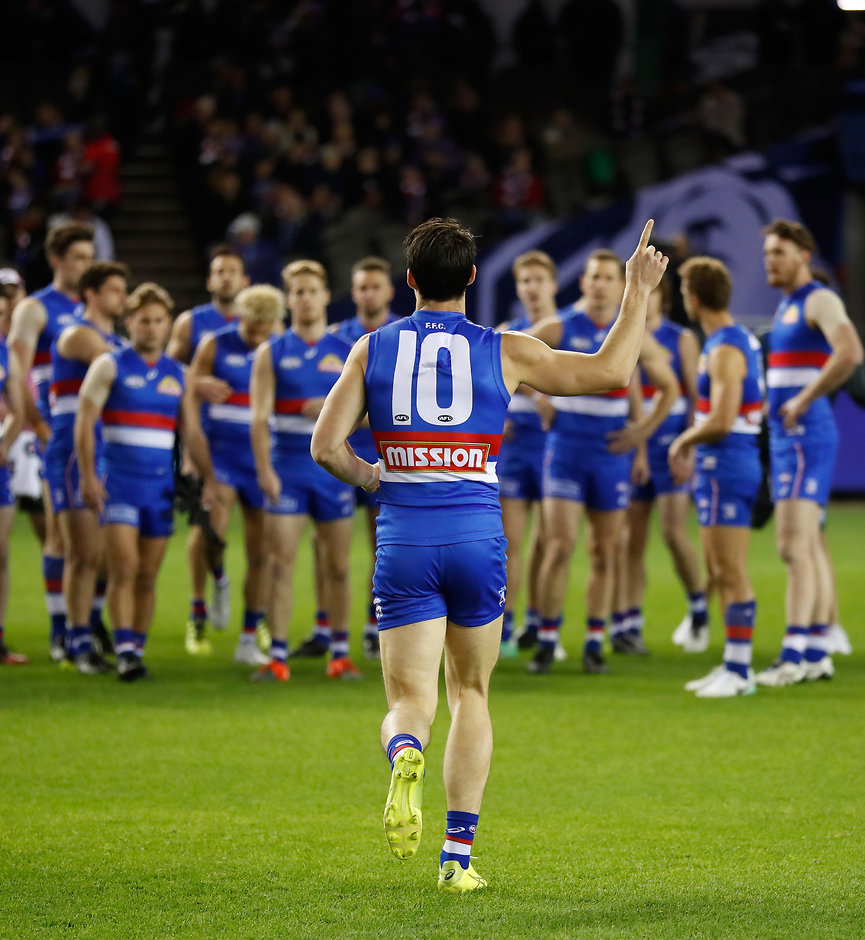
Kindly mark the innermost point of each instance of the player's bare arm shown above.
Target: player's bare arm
(825, 311)
(262, 396)
(28, 322)
(180, 342)
(94, 393)
(199, 450)
(560, 372)
(14, 394)
(689, 354)
(727, 368)
(81, 343)
(343, 410)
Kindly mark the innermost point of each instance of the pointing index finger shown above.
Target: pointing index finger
(647, 233)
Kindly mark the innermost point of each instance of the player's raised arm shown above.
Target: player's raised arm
(561, 372)
(343, 409)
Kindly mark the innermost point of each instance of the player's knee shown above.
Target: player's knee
(601, 556)
(145, 582)
(559, 549)
(792, 547)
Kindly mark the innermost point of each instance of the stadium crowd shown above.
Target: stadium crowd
(240, 380)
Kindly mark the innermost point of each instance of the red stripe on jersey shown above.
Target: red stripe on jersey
(704, 406)
(138, 419)
(66, 387)
(738, 633)
(803, 358)
(440, 437)
(42, 358)
(237, 398)
(289, 406)
(615, 393)
(649, 390)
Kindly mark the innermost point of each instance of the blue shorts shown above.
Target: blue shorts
(725, 490)
(660, 480)
(362, 498)
(520, 470)
(241, 479)
(599, 479)
(64, 482)
(147, 503)
(465, 582)
(309, 490)
(802, 469)
(7, 498)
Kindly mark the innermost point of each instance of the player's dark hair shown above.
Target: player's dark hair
(708, 280)
(99, 272)
(605, 254)
(793, 232)
(226, 251)
(61, 238)
(371, 263)
(440, 254)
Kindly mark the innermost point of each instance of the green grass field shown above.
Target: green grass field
(202, 805)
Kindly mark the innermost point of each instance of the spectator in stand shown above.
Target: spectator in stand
(102, 166)
(82, 211)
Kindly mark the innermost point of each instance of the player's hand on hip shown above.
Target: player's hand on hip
(647, 265)
(792, 411)
(212, 390)
(93, 493)
(374, 482)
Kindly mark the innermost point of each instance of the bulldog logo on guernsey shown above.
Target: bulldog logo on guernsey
(169, 386)
(406, 456)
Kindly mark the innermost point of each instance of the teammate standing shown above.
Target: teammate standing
(103, 288)
(730, 391)
(813, 348)
(137, 393)
(521, 459)
(36, 322)
(222, 452)
(436, 388)
(291, 377)
(226, 278)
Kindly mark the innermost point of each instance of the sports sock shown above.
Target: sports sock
(124, 642)
(279, 650)
(507, 626)
(251, 620)
(698, 609)
(2, 633)
(635, 621)
(739, 627)
(793, 646)
(398, 743)
(140, 642)
(81, 640)
(594, 634)
(548, 632)
(218, 572)
(321, 633)
(618, 623)
(532, 621)
(817, 644)
(98, 604)
(198, 610)
(52, 574)
(460, 832)
(339, 644)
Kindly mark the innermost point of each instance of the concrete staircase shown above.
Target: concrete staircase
(151, 232)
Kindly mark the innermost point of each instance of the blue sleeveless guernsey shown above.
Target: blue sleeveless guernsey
(62, 311)
(302, 370)
(744, 434)
(229, 422)
(437, 402)
(139, 419)
(797, 353)
(584, 421)
(205, 319)
(668, 335)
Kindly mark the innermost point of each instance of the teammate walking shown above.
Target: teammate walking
(436, 388)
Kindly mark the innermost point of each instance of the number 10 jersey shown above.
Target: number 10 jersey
(437, 403)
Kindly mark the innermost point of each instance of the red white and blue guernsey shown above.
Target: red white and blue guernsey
(437, 403)
(61, 311)
(204, 320)
(578, 464)
(361, 441)
(668, 335)
(61, 466)
(6, 496)
(803, 459)
(139, 423)
(229, 422)
(521, 460)
(302, 371)
(729, 471)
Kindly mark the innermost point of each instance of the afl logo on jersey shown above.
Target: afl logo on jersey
(790, 315)
(290, 362)
(66, 318)
(169, 386)
(581, 342)
(445, 418)
(330, 363)
(135, 381)
(400, 418)
(235, 359)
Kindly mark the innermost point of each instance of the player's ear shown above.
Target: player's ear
(409, 279)
(474, 275)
